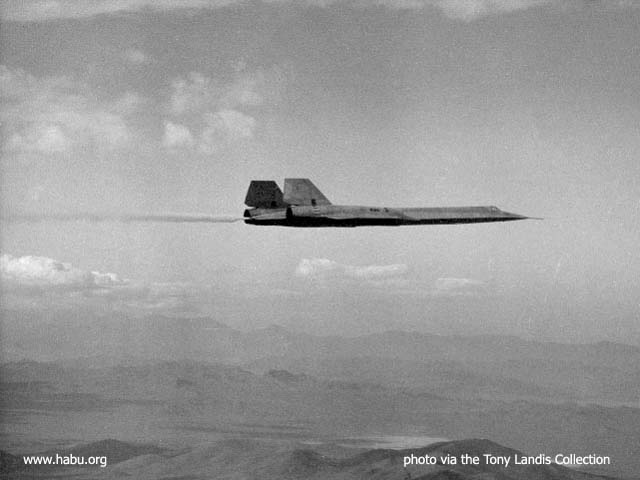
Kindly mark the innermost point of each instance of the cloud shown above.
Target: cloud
(194, 94)
(323, 268)
(135, 56)
(214, 108)
(224, 127)
(468, 10)
(248, 90)
(465, 10)
(197, 93)
(450, 286)
(235, 124)
(176, 136)
(42, 283)
(43, 138)
(33, 271)
(42, 10)
(56, 114)
(391, 279)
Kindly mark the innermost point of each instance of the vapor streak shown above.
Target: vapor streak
(124, 218)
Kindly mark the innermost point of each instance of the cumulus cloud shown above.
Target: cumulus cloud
(223, 127)
(458, 286)
(39, 137)
(322, 268)
(41, 282)
(135, 56)
(34, 271)
(235, 124)
(176, 135)
(55, 114)
(214, 109)
(465, 10)
(41, 10)
(247, 89)
(468, 10)
(196, 93)
(393, 279)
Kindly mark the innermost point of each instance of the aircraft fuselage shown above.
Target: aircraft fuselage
(362, 216)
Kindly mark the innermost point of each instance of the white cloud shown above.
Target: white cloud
(42, 138)
(135, 56)
(213, 109)
(224, 127)
(176, 136)
(42, 282)
(323, 268)
(246, 90)
(458, 286)
(465, 10)
(194, 94)
(198, 93)
(308, 267)
(235, 124)
(42, 10)
(127, 104)
(468, 10)
(55, 114)
(33, 271)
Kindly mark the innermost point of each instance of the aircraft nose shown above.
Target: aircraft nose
(515, 216)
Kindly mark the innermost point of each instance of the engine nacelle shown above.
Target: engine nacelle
(304, 211)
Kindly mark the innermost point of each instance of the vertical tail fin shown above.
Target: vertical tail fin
(264, 194)
(301, 191)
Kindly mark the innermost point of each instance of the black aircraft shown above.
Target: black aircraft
(303, 205)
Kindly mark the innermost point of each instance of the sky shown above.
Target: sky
(134, 106)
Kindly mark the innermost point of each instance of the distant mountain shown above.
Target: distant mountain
(390, 464)
(490, 367)
(198, 376)
(9, 463)
(485, 366)
(248, 458)
(191, 399)
(115, 450)
(278, 460)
